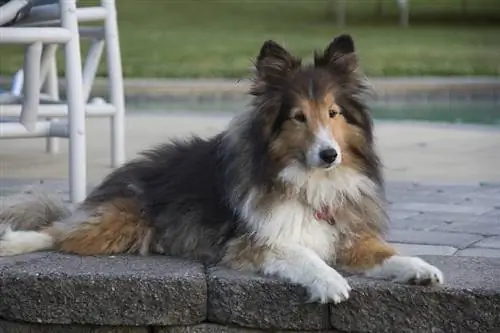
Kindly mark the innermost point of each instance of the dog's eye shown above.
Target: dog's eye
(332, 113)
(299, 117)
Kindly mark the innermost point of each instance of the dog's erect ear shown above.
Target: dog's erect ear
(339, 55)
(274, 63)
(342, 44)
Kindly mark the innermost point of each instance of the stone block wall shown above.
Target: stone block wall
(50, 292)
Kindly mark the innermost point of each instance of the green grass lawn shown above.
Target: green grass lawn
(208, 38)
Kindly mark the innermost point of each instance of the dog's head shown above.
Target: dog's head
(314, 115)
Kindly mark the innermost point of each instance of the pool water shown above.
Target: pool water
(484, 112)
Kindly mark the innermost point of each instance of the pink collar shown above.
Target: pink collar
(324, 214)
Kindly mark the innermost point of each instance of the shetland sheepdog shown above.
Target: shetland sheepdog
(292, 188)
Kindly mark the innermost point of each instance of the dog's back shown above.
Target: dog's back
(169, 200)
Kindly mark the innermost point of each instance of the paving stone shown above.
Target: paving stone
(479, 252)
(260, 302)
(487, 224)
(494, 215)
(479, 199)
(414, 223)
(490, 188)
(469, 302)
(487, 228)
(447, 217)
(18, 185)
(442, 208)
(490, 242)
(457, 240)
(412, 187)
(214, 328)
(10, 187)
(422, 249)
(425, 198)
(430, 193)
(401, 214)
(121, 290)
(16, 327)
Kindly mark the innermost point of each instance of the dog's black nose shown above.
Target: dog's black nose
(328, 155)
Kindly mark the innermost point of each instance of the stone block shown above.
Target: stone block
(258, 302)
(469, 302)
(214, 328)
(122, 290)
(18, 327)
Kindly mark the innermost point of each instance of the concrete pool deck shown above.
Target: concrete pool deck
(414, 152)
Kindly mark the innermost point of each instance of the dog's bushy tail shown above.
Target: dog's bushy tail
(23, 218)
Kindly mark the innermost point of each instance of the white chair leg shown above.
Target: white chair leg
(341, 13)
(404, 12)
(49, 53)
(51, 88)
(29, 112)
(17, 83)
(91, 65)
(115, 76)
(76, 109)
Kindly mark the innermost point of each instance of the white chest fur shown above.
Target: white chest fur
(293, 222)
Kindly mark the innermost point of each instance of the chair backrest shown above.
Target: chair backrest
(11, 11)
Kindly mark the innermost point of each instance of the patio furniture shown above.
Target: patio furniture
(403, 6)
(39, 111)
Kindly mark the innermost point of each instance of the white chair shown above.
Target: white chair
(39, 106)
(403, 6)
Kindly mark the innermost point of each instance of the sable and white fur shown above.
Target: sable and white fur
(292, 188)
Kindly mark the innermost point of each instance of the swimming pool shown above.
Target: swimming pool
(484, 111)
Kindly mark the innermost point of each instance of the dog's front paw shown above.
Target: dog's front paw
(413, 270)
(331, 287)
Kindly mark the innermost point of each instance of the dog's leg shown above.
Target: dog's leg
(303, 266)
(111, 227)
(378, 259)
(294, 263)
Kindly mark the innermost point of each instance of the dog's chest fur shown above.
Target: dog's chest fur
(291, 219)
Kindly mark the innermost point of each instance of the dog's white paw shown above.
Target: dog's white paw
(411, 270)
(331, 287)
(417, 271)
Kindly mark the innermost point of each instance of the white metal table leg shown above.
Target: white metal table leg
(113, 58)
(76, 110)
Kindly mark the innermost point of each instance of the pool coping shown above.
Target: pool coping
(221, 86)
(43, 291)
